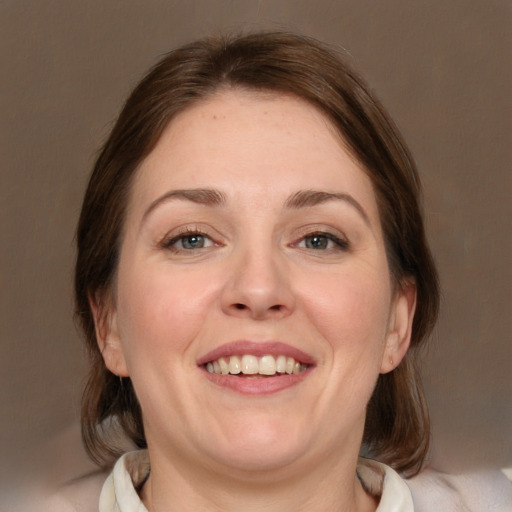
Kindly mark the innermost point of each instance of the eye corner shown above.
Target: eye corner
(189, 240)
(322, 241)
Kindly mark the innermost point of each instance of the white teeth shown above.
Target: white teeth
(281, 364)
(267, 365)
(234, 365)
(224, 366)
(252, 365)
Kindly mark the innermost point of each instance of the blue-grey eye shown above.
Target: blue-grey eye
(188, 241)
(323, 242)
(317, 242)
(195, 241)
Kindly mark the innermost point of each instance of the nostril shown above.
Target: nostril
(256, 310)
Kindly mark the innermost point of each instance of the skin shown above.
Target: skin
(256, 278)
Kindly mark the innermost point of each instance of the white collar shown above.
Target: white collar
(119, 492)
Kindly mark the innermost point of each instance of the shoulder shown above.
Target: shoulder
(480, 490)
(95, 491)
(79, 495)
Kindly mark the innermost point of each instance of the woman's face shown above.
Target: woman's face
(253, 244)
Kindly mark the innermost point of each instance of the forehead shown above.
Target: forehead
(246, 142)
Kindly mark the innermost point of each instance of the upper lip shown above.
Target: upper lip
(258, 349)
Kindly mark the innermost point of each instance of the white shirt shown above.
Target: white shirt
(119, 490)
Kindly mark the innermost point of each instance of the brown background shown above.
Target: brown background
(443, 69)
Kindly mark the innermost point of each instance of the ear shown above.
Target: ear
(400, 327)
(107, 333)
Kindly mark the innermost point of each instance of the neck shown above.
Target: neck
(331, 486)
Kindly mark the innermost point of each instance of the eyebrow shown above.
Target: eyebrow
(204, 196)
(213, 197)
(309, 198)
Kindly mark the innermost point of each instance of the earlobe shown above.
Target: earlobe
(400, 327)
(107, 334)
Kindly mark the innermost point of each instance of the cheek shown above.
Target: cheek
(350, 309)
(161, 312)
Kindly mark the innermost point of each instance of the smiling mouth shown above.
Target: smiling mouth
(252, 366)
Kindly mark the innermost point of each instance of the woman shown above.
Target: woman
(254, 284)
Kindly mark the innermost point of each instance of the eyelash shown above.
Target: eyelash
(169, 243)
(342, 244)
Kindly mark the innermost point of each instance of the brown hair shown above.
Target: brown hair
(397, 428)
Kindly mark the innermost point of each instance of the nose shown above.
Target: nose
(258, 287)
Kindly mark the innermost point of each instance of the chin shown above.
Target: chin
(253, 460)
(260, 445)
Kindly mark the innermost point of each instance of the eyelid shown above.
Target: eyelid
(332, 234)
(188, 230)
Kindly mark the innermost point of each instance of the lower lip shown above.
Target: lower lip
(259, 385)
